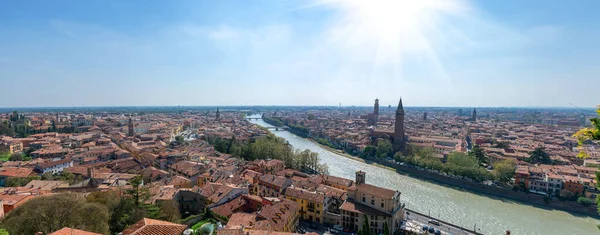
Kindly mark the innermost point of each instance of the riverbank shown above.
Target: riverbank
(522, 197)
(493, 215)
(346, 155)
(473, 187)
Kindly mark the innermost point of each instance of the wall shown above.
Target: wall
(529, 198)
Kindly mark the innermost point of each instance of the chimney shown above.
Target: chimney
(360, 177)
(90, 172)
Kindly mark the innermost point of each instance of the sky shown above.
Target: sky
(310, 52)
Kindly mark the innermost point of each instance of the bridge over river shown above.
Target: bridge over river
(489, 215)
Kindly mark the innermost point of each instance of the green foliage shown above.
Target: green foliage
(299, 130)
(500, 145)
(229, 146)
(199, 224)
(19, 182)
(585, 201)
(458, 163)
(3, 231)
(63, 176)
(311, 117)
(325, 142)
(460, 159)
(386, 229)
(139, 193)
(6, 130)
(270, 147)
(366, 229)
(368, 151)
(4, 156)
(504, 170)
(588, 134)
(169, 211)
(179, 139)
(539, 155)
(273, 121)
(16, 157)
(479, 154)
(50, 213)
(384, 148)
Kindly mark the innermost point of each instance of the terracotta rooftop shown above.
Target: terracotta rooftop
(228, 208)
(304, 194)
(350, 205)
(278, 181)
(377, 191)
(154, 227)
(16, 172)
(72, 231)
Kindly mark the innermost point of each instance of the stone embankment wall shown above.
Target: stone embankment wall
(528, 198)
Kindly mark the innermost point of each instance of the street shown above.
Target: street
(416, 221)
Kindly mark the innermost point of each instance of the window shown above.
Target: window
(363, 199)
(382, 205)
(372, 201)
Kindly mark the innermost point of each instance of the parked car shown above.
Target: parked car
(431, 229)
(437, 232)
(338, 227)
(425, 228)
(435, 222)
(347, 230)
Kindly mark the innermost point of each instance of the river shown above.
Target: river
(490, 215)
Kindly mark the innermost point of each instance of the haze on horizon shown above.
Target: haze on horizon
(324, 52)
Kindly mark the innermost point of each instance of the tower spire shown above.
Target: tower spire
(400, 107)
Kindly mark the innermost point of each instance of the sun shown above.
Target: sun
(392, 30)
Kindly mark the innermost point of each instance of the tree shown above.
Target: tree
(311, 116)
(478, 153)
(386, 229)
(19, 182)
(53, 127)
(16, 157)
(179, 139)
(384, 148)
(169, 211)
(588, 134)
(566, 194)
(585, 201)
(539, 155)
(123, 211)
(500, 145)
(139, 193)
(368, 151)
(504, 170)
(462, 159)
(50, 213)
(366, 228)
(6, 130)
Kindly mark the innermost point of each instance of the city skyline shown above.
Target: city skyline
(298, 53)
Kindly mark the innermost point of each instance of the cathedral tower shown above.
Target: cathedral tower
(130, 127)
(399, 128)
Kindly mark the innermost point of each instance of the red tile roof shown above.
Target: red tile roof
(154, 227)
(16, 172)
(72, 231)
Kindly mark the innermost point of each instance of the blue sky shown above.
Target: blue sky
(284, 52)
